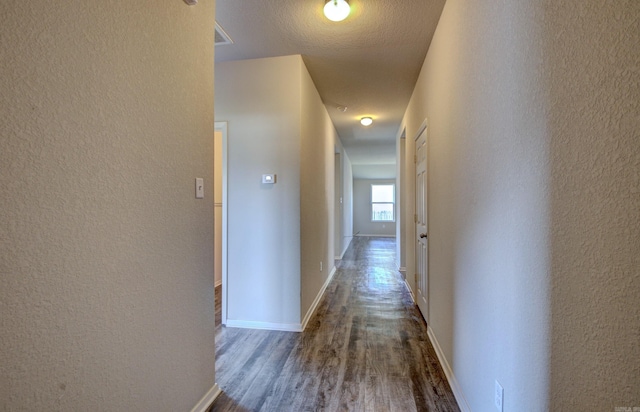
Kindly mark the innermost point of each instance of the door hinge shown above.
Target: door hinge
(415, 159)
(415, 218)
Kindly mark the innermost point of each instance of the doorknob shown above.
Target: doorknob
(423, 235)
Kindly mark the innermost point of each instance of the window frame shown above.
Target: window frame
(392, 203)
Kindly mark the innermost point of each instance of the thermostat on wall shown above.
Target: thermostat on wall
(269, 179)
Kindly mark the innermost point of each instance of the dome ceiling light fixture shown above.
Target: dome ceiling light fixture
(366, 121)
(337, 10)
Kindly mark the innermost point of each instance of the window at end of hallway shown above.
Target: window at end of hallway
(383, 203)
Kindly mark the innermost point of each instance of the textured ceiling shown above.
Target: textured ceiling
(368, 62)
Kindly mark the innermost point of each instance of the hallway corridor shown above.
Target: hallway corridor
(365, 349)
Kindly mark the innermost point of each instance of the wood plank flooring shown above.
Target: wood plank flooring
(365, 349)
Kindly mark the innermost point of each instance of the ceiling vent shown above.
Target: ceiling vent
(221, 36)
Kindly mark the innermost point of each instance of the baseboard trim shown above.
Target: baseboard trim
(208, 399)
(402, 269)
(413, 298)
(248, 324)
(345, 249)
(451, 378)
(366, 235)
(318, 298)
(285, 327)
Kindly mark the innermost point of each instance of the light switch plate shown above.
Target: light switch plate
(499, 397)
(199, 188)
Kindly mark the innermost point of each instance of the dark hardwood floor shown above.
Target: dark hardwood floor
(365, 349)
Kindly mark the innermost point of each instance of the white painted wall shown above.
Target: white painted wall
(362, 224)
(106, 257)
(533, 213)
(261, 101)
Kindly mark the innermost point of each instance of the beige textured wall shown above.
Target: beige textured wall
(593, 60)
(318, 140)
(533, 187)
(106, 257)
(488, 206)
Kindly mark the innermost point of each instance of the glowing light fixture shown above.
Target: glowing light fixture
(337, 10)
(366, 121)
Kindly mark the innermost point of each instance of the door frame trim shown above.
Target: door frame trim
(420, 129)
(223, 128)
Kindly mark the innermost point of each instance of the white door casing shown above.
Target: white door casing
(217, 206)
(221, 127)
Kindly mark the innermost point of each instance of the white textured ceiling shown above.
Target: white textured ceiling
(368, 62)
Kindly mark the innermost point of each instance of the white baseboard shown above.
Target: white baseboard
(286, 327)
(318, 298)
(208, 399)
(402, 270)
(345, 248)
(249, 324)
(453, 382)
(413, 298)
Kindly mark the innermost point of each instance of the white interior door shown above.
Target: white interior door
(422, 241)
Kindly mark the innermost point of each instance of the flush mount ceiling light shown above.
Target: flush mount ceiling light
(366, 121)
(337, 10)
